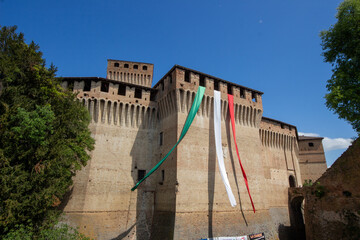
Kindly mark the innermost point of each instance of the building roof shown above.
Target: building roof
(129, 61)
(108, 80)
(274, 120)
(206, 75)
(309, 138)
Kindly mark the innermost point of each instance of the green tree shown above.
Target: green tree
(44, 136)
(341, 45)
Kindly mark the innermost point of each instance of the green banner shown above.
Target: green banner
(194, 108)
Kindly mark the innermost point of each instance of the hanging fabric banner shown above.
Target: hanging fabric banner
(218, 145)
(192, 113)
(231, 110)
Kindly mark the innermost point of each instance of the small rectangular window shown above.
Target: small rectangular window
(253, 96)
(87, 86)
(141, 174)
(229, 89)
(216, 85)
(187, 76)
(122, 90)
(311, 144)
(202, 81)
(162, 86)
(138, 93)
(242, 93)
(162, 175)
(170, 78)
(161, 138)
(104, 87)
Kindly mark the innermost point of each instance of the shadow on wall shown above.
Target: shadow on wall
(139, 218)
(211, 171)
(212, 164)
(296, 218)
(227, 123)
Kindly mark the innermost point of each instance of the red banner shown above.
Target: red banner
(231, 109)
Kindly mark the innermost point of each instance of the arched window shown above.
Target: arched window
(116, 65)
(126, 65)
(292, 181)
(144, 67)
(136, 66)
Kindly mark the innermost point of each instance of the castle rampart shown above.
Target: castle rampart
(135, 126)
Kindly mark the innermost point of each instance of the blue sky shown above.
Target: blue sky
(272, 46)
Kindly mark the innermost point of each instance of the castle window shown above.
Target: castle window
(136, 66)
(87, 86)
(141, 174)
(170, 78)
(116, 65)
(311, 144)
(161, 138)
(216, 85)
(253, 96)
(242, 93)
(282, 126)
(138, 93)
(162, 86)
(162, 175)
(144, 67)
(126, 65)
(187, 76)
(229, 88)
(104, 87)
(202, 80)
(122, 90)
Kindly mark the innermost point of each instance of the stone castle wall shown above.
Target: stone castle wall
(185, 198)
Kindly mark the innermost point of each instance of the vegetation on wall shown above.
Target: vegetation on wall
(44, 136)
(341, 45)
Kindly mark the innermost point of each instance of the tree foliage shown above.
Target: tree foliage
(341, 45)
(44, 135)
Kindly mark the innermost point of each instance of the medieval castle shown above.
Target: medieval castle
(135, 125)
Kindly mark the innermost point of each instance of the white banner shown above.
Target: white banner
(218, 145)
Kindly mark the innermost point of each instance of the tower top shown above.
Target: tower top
(138, 73)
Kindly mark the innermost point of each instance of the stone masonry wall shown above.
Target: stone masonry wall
(332, 204)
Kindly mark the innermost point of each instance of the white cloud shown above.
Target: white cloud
(331, 143)
(309, 134)
(336, 143)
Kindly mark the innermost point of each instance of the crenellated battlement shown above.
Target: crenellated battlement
(276, 134)
(102, 88)
(138, 73)
(177, 89)
(174, 93)
(121, 113)
(187, 79)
